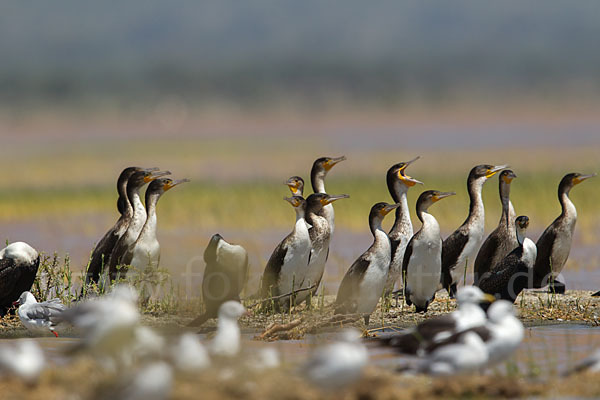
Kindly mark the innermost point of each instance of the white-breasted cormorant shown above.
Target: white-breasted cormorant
(224, 276)
(320, 237)
(554, 245)
(288, 263)
(19, 264)
(504, 238)
(296, 185)
(319, 171)
(104, 248)
(398, 184)
(145, 251)
(136, 223)
(364, 282)
(513, 273)
(461, 246)
(422, 262)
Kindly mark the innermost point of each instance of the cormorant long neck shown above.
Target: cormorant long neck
(476, 211)
(521, 235)
(379, 235)
(139, 212)
(300, 220)
(149, 229)
(568, 208)
(506, 204)
(123, 203)
(402, 220)
(317, 180)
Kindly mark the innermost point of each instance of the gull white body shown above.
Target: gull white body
(36, 317)
(467, 356)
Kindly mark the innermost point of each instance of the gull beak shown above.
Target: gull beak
(489, 298)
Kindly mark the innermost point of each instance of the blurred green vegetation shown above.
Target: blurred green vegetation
(258, 205)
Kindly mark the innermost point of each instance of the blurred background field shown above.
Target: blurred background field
(240, 96)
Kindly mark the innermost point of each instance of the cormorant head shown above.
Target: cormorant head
(122, 201)
(397, 173)
(521, 224)
(428, 197)
(380, 210)
(297, 202)
(485, 171)
(296, 185)
(161, 185)
(316, 201)
(570, 180)
(143, 176)
(507, 176)
(324, 164)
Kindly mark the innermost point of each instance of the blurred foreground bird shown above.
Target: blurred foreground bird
(108, 325)
(469, 314)
(23, 359)
(19, 264)
(188, 354)
(336, 365)
(224, 276)
(37, 317)
(151, 382)
(227, 340)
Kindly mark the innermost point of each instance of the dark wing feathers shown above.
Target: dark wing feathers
(345, 301)
(486, 254)
(483, 332)
(508, 278)
(452, 247)
(14, 280)
(270, 278)
(544, 251)
(422, 335)
(101, 254)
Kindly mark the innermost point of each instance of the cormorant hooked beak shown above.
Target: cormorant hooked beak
(172, 184)
(332, 161)
(494, 170)
(442, 195)
(294, 201)
(333, 198)
(155, 175)
(389, 208)
(408, 181)
(582, 178)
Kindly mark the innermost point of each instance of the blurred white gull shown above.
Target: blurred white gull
(501, 335)
(468, 315)
(226, 342)
(152, 382)
(468, 354)
(108, 325)
(263, 359)
(36, 317)
(338, 364)
(590, 364)
(188, 354)
(24, 359)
